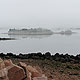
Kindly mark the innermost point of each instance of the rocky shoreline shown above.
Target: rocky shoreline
(55, 67)
(21, 71)
(56, 57)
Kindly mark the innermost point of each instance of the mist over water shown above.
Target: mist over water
(39, 13)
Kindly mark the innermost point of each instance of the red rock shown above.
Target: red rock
(3, 71)
(34, 72)
(16, 73)
(27, 73)
(40, 78)
(2, 65)
(38, 69)
(9, 71)
(3, 74)
(23, 65)
(8, 62)
(30, 71)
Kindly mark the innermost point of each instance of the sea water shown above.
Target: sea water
(41, 43)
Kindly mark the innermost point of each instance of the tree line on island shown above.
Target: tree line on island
(56, 57)
(7, 38)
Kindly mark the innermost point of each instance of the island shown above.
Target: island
(32, 31)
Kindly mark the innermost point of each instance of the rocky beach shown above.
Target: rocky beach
(38, 66)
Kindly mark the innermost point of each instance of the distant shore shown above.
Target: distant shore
(7, 39)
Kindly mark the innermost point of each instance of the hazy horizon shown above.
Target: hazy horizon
(39, 13)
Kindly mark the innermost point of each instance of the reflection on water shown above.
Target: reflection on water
(34, 36)
(69, 34)
(29, 36)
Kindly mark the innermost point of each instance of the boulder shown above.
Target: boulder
(24, 66)
(16, 73)
(30, 71)
(27, 73)
(10, 71)
(33, 71)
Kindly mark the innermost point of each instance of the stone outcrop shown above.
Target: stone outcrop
(10, 71)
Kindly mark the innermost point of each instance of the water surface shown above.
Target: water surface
(41, 43)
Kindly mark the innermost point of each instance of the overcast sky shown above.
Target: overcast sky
(47, 13)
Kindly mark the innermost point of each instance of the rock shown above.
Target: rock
(3, 74)
(30, 71)
(8, 62)
(27, 73)
(16, 73)
(2, 65)
(24, 66)
(34, 72)
(3, 71)
(40, 78)
(38, 69)
(10, 71)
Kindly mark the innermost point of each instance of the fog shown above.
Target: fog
(39, 13)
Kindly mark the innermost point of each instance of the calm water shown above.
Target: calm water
(54, 43)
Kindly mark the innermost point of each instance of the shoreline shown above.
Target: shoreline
(56, 57)
(55, 67)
